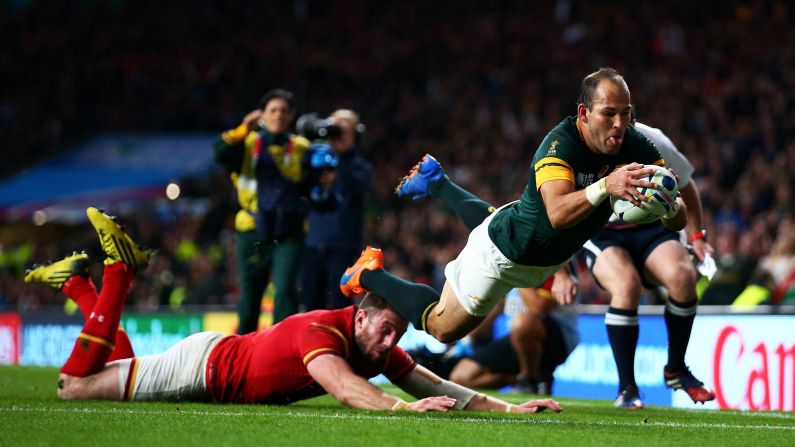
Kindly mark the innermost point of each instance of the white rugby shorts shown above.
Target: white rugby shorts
(177, 374)
(481, 275)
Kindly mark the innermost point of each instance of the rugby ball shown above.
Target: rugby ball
(661, 199)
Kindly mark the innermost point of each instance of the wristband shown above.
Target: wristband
(699, 235)
(400, 405)
(509, 408)
(596, 193)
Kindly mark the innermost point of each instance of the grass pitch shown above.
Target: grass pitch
(31, 414)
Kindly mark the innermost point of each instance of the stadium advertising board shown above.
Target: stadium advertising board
(223, 322)
(153, 334)
(9, 338)
(48, 340)
(748, 360)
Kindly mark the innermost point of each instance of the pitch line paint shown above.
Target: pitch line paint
(393, 416)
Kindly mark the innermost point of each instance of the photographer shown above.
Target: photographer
(278, 177)
(334, 239)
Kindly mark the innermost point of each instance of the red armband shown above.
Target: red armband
(699, 235)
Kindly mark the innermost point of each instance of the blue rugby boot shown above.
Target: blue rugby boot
(420, 178)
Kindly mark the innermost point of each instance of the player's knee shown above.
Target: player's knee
(624, 289)
(681, 283)
(528, 327)
(68, 387)
(451, 330)
(626, 297)
(448, 335)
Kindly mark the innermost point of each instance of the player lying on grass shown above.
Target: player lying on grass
(305, 355)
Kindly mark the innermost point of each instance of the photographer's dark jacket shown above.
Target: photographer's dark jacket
(272, 176)
(342, 227)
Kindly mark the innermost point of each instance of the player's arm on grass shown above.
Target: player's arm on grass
(335, 375)
(421, 383)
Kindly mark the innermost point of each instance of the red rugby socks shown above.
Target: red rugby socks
(95, 343)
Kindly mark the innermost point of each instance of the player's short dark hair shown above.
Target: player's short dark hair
(277, 93)
(373, 301)
(590, 82)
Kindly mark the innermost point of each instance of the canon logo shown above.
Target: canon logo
(765, 372)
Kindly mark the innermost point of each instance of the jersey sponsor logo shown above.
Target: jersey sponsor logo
(476, 299)
(584, 180)
(603, 171)
(553, 148)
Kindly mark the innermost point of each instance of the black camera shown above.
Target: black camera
(311, 126)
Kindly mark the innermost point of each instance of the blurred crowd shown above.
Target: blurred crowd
(476, 84)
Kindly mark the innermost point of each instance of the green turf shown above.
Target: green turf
(31, 414)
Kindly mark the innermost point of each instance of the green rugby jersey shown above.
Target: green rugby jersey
(522, 230)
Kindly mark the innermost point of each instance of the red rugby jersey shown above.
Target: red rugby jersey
(270, 366)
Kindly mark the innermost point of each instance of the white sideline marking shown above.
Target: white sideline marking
(744, 413)
(501, 420)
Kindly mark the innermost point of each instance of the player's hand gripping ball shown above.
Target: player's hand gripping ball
(661, 199)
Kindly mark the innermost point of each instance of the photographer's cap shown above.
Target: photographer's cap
(345, 114)
(350, 115)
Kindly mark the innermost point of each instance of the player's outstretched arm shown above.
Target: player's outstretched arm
(421, 382)
(482, 402)
(537, 406)
(335, 375)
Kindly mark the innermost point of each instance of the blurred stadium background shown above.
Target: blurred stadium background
(105, 103)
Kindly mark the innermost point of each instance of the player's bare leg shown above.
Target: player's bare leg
(102, 385)
(471, 374)
(448, 321)
(527, 339)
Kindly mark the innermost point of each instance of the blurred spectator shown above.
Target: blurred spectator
(780, 262)
(735, 266)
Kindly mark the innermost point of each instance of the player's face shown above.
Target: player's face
(608, 118)
(277, 115)
(347, 137)
(378, 333)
